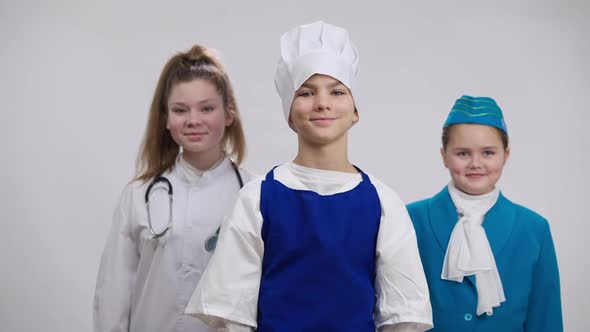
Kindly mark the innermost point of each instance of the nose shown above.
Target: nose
(475, 161)
(194, 118)
(322, 102)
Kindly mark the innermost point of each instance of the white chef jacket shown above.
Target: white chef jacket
(143, 283)
(227, 295)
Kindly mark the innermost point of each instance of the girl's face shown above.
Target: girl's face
(197, 118)
(322, 111)
(475, 157)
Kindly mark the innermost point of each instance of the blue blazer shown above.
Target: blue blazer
(525, 256)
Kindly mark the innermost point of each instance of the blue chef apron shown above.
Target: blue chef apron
(318, 269)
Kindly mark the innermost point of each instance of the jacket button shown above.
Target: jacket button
(468, 317)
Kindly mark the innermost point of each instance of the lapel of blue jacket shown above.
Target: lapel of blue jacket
(443, 217)
(498, 222)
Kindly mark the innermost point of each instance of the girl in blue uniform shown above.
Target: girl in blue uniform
(316, 244)
(490, 263)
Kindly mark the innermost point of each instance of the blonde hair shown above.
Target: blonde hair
(158, 150)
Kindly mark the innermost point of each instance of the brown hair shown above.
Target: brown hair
(158, 150)
(446, 136)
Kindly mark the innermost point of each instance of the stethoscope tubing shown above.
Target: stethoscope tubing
(211, 242)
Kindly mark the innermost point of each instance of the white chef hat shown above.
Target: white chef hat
(316, 48)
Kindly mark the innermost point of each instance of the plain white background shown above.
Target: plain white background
(77, 79)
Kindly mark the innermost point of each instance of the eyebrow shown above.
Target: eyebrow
(200, 102)
(314, 86)
(458, 148)
(176, 104)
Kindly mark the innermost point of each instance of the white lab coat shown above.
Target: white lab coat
(143, 283)
(227, 295)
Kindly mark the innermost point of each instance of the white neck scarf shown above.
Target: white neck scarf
(469, 251)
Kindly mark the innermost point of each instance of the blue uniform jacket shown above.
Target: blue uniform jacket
(525, 256)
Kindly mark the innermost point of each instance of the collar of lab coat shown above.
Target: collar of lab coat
(207, 176)
(498, 222)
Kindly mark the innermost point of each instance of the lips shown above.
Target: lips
(475, 175)
(194, 136)
(322, 120)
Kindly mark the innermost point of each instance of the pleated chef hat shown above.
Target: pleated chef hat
(317, 48)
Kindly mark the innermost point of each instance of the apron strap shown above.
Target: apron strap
(271, 174)
(365, 177)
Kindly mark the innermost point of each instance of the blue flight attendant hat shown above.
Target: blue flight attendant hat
(477, 110)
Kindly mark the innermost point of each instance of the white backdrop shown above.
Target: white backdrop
(77, 78)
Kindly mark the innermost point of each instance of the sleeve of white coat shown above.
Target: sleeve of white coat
(228, 289)
(118, 267)
(235, 327)
(403, 300)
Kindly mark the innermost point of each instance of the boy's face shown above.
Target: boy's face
(322, 111)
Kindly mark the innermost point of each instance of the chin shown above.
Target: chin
(479, 191)
(192, 149)
(468, 188)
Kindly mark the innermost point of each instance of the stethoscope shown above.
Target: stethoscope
(211, 241)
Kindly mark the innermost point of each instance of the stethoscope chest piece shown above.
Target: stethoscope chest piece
(211, 242)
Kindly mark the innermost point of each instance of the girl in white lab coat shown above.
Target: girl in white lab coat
(156, 252)
(316, 244)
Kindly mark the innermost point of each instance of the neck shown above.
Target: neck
(331, 157)
(202, 160)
